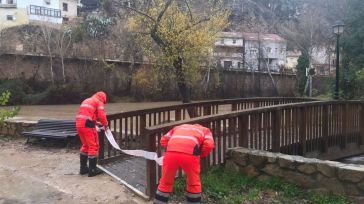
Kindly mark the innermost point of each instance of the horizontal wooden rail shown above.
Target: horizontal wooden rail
(127, 127)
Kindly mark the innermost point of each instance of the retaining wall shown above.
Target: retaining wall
(322, 176)
(14, 128)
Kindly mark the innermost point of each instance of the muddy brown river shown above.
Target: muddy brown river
(37, 112)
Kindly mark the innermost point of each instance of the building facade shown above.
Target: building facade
(19, 12)
(228, 50)
(250, 51)
(42, 10)
(324, 60)
(69, 9)
(292, 60)
(11, 15)
(264, 51)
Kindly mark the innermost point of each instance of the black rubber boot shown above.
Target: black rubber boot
(83, 164)
(93, 170)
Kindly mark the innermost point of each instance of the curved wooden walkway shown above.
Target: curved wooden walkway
(326, 130)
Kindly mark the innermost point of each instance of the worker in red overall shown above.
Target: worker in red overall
(185, 145)
(91, 113)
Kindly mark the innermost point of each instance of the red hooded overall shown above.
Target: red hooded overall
(185, 144)
(91, 110)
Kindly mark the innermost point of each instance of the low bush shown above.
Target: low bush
(30, 91)
(223, 186)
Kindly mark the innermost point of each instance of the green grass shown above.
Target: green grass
(222, 186)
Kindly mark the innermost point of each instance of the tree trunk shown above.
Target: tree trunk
(181, 81)
(130, 76)
(63, 71)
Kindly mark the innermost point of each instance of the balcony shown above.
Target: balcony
(13, 5)
(43, 11)
(228, 55)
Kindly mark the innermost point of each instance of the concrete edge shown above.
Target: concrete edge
(136, 191)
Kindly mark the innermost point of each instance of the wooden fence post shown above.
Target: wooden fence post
(256, 104)
(150, 142)
(276, 130)
(102, 144)
(325, 130)
(207, 110)
(177, 116)
(344, 121)
(243, 130)
(234, 106)
(361, 123)
(143, 125)
(303, 130)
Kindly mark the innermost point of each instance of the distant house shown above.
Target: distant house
(292, 60)
(324, 60)
(263, 51)
(89, 5)
(20, 12)
(251, 51)
(229, 50)
(69, 9)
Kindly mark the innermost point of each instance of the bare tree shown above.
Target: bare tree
(63, 42)
(47, 32)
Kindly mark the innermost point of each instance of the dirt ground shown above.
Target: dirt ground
(47, 173)
(39, 174)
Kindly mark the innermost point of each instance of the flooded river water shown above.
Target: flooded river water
(354, 160)
(37, 112)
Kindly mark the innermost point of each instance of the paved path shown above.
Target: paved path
(36, 174)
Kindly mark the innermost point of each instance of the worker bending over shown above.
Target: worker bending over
(185, 145)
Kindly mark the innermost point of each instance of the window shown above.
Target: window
(38, 10)
(47, 1)
(269, 49)
(9, 17)
(228, 64)
(222, 41)
(234, 41)
(65, 19)
(65, 7)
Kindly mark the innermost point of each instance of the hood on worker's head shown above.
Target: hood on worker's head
(101, 96)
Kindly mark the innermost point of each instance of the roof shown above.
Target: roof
(262, 36)
(89, 2)
(295, 53)
(231, 34)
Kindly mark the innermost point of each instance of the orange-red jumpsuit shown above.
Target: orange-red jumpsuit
(91, 110)
(185, 145)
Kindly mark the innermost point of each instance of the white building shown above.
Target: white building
(18, 12)
(292, 60)
(229, 50)
(263, 51)
(324, 60)
(69, 9)
(42, 10)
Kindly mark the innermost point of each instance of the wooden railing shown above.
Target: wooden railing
(128, 127)
(314, 129)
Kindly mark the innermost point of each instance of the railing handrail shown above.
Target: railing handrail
(212, 102)
(209, 118)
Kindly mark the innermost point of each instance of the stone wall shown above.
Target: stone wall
(226, 84)
(14, 128)
(322, 176)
